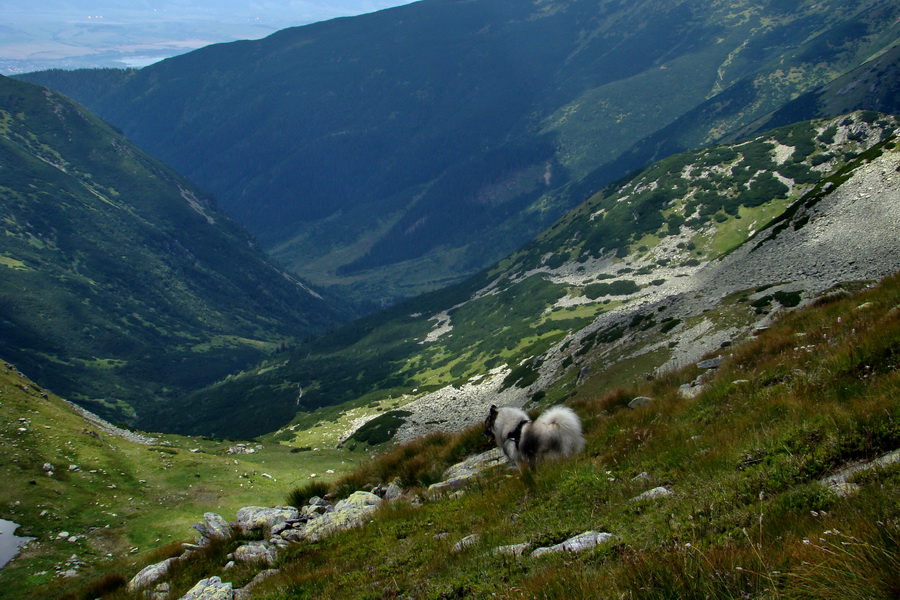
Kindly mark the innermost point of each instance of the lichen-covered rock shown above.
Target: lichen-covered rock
(348, 513)
(150, 575)
(276, 529)
(462, 473)
(214, 527)
(655, 493)
(640, 402)
(579, 543)
(511, 550)
(254, 518)
(689, 391)
(210, 589)
(712, 363)
(255, 552)
(293, 536)
(311, 511)
(160, 592)
(389, 492)
(466, 542)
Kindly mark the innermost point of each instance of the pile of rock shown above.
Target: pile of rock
(279, 527)
(244, 449)
(579, 543)
(709, 366)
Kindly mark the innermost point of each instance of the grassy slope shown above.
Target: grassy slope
(126, 499)
(747, 518)
(816, 391)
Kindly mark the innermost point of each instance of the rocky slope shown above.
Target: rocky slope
(841, 230)
(692, 254)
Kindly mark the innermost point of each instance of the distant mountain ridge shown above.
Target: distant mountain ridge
(120, 282)
(396, 152)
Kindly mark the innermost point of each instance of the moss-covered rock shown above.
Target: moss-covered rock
(351, 512)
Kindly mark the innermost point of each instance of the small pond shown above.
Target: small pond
(10, 543)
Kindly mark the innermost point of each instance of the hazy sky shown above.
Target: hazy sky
(45, 34)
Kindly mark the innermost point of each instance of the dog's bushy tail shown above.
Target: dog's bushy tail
(563, 426)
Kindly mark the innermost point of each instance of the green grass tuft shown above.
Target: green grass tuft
(748, 517)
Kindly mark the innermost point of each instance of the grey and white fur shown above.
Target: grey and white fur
(553, 435)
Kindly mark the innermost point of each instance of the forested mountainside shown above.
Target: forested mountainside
(396, 152)
(875, 85)
(121, 283)
(691, 253)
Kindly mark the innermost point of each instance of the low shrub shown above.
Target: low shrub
(415, 464)
(381, 429)
(99, 587)
(299, 496)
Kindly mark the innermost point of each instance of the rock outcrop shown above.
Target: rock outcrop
(260, 518)
(579, 543)
(840, 483)
(462, 473)
(214, 527)
(151, 574)
(210, 589)
(350, 512)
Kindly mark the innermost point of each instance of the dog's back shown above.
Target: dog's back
(555, 434)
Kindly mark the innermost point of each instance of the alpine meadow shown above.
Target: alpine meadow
(460, 299)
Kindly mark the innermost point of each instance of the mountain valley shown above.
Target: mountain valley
(401, 151)
(120, 282)
(647, 275)
(337, 247)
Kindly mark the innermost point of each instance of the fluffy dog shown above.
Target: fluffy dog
(555, 434)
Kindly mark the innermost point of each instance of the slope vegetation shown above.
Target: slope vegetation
(691, 253)
(395, 152)
(98, 499)
(752, 499)
(778, 478)
(120, 282)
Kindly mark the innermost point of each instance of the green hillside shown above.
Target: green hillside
(121, 284)
(778, 479)
(119, 497)
(875, 85)
(604, 285)
(745, 512)
(397, 152)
